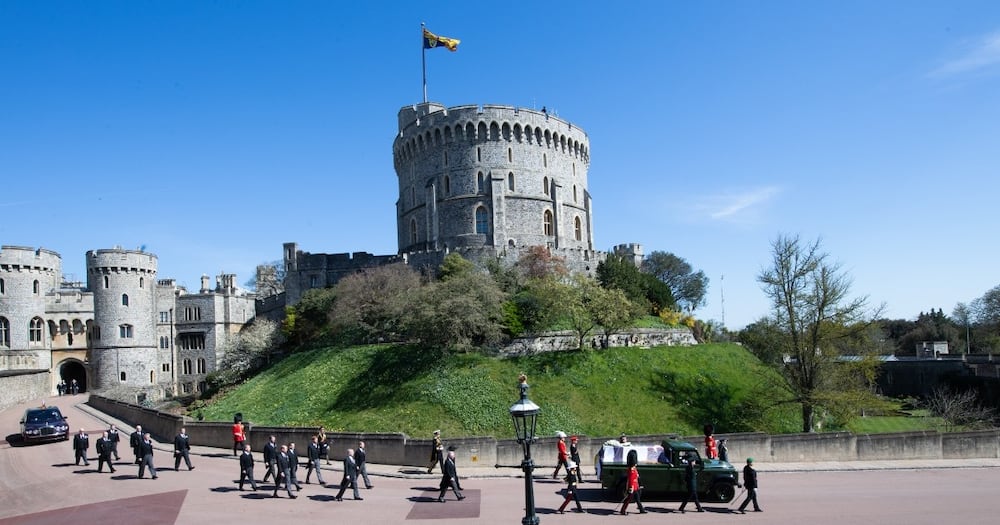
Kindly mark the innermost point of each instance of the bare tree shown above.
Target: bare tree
(959, 409)
(812, 312)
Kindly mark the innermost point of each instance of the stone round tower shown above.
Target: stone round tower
(26, 276)
(123, 338)
(494, 177)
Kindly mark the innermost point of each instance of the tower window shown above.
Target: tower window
(121, 376)
(151, 377)
(545, 185)
(510, 181)
(4, 332)
(446, 159)
(35, 330)
(142, 282)
(545, 161)
(577, 229)
(124, 299)
(574, 193)
(510, 155)
(482, 221)
(2, 288)
(201, 365)
(413, 231)
(187, 366)
(35, 287)
(105, 281)
(547, 222)
(481, 183)
(479, 155)
(125, 331)
(447, 185)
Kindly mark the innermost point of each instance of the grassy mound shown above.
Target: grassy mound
(596, 392)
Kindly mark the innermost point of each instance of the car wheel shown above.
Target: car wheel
(722, 492)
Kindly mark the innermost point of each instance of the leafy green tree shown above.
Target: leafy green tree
(642, 289)
(310, 317)
(463, 312)
(687, 286)
(578, 309)
(371, 304)
(541, 303)
(812, 312)
(612, 311)
(455, 265)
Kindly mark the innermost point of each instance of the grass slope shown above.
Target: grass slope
(405, 389)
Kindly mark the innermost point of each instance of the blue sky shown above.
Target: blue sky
(212, 132)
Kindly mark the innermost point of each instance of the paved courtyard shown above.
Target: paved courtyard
(40, 484)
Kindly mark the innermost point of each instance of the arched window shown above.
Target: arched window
(201, 365)
(545, 185)
(481, 183)
(187, 366)
(105, 281)
(577, 229)
(35, 287)
(124, 299)
(482, 221)
(4, 332)
(152, 378)
(125, 331)
(510, 181)
(3, 289)
(35, 327)
(545, 160)
(413, 231)
(574, 193)
(510, 155)
(447, 185)
(547, 222)
(142, 282)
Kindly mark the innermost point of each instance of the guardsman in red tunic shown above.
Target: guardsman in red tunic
(633, 492)
(238, 436)
(563, 454)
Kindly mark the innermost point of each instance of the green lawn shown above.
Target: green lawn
(594, 392)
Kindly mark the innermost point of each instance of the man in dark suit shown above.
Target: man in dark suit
(750, 482)
(314, 452)
(246, 468)
(146, 449)
(134, 440)
(449, 477)
(104, 449)
(182, 449)
(114, 438)
(691, 485)
(284, 472)
(360, 458)
(270, 456)
(293, 466)
(350, 476)
(81, 442)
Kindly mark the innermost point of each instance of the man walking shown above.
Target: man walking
(293, 466)
(246, 468)
(284, 473)
(134, 440)
(750, 482)
(350, 478)
(449, 478)
(437, 449)
(146, 450)
(81, 442)
(562, 456)
(360, 458)
(691, 485)
(313, 453)
(104, 453)
(182, 449)
(114, 438)
(270, 456)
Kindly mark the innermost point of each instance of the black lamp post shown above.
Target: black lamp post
(524, 413)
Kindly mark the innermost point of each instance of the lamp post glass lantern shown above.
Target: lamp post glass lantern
(524, 414)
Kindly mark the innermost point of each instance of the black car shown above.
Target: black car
(45, 423)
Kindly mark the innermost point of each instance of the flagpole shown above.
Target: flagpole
(423, 60)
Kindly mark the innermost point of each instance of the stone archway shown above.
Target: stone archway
(73, 369)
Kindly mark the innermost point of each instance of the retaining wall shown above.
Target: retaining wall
(400, 449)
(24, 385)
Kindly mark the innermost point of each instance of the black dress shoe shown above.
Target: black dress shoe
(293, 496)
(440, 500)
(338, 498)
(359, 498)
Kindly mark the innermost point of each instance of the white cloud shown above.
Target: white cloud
(981, 54)
(742, 205)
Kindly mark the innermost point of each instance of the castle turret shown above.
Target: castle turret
(124, 337)
(490, 176)
(27, 275)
